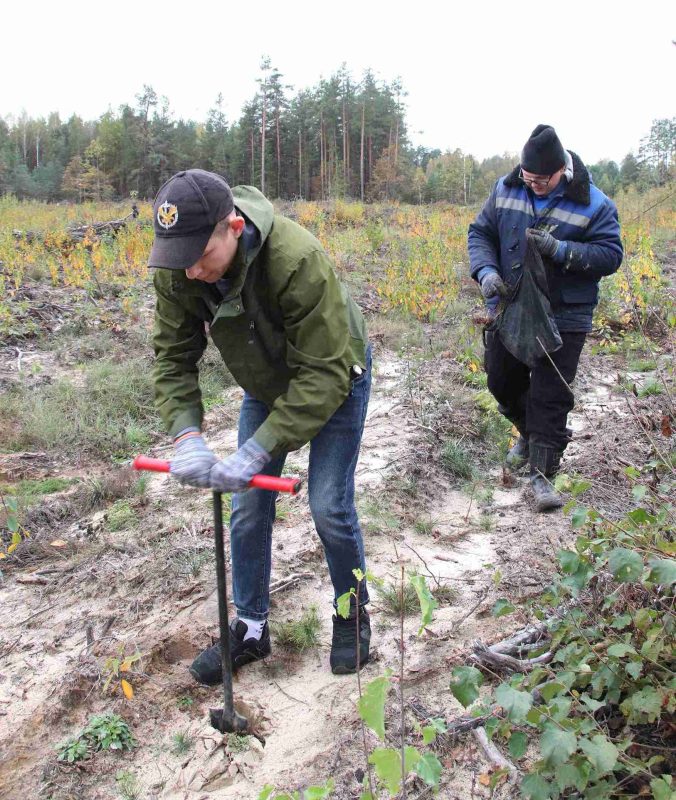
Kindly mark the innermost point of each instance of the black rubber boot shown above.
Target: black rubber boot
(544, 463)
(344, 643)
(207, 668)
(517, 455)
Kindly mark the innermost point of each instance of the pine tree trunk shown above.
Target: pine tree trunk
(361, 153)
(263, 123)
(279, 156)
(253, 175)
(321, 155)
(300, 165)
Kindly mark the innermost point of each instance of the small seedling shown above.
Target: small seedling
(127, 785)
(300, 634)
(73, 750)
(185, 703)
(487, 521)
(393, 602)
(104, 732)
(182, 743)
(237, 743)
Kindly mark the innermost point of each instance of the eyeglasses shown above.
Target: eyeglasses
(541, 182)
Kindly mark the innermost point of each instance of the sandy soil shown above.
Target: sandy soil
(101, 594)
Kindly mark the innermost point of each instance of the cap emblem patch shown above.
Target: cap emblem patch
(167, 215)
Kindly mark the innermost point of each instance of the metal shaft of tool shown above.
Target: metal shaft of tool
(223, 607)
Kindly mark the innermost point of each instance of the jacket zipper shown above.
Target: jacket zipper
(252, 327)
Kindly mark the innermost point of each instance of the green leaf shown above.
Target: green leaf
(358, 574)
(626, 565)
(579, 517)
(639, 516)
(266, 792)
(643, 706)
(427, 601)
(371, 705)
(502, 607)
(619, 650)
(592, 705)
(429, 769)
(320, 792)
(550, 690)
(568, 561)
(556, 745)
(516, 703)
(465, 684)
(343, 604)
(429, 734)
(570, 775)
(621, 622)
(387, 763)
(534, 787)
(638, 492)
(632, 472)
(518, 742)
(662, 788)
(634, 669)
(601, 752)
(662, 571)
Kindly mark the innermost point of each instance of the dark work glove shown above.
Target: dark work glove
(492, 285)
(544, 242)
(234, 473)
(192, 461)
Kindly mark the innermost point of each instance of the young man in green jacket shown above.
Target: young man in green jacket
(292, 338)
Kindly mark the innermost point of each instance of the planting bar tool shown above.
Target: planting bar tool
(226, 719)
(269, 482)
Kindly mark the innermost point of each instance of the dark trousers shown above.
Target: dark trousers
(535, 400)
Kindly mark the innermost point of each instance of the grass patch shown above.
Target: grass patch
(457, 460)
(213, 376)
(376, 516)
(111, 414)
(121, 516)
(393, 602)
(181, 743)
(641, 364)
(300, 634)
(127, 785)
(650, 388)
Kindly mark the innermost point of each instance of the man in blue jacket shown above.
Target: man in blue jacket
(577, 232)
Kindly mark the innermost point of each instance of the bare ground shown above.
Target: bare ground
(82, 594)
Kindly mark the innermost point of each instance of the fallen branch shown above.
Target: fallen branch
(289, 580)
(487, 657)
(493, 754)
(533, 634)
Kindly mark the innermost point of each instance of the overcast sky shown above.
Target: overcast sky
(479, 74)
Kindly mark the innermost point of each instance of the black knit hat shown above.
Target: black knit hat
(543, 153)
(185, 212)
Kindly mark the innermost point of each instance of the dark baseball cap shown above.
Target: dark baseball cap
(185, 212)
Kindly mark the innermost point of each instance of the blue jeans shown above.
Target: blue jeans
(333, 460)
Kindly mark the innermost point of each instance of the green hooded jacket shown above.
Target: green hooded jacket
(287, 331)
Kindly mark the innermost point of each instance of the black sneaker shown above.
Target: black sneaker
(344, 644)
(207, 667)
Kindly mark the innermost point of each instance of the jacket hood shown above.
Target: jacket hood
(577, 190)
(255, 206)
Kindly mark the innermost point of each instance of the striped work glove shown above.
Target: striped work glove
(192, 459)
(234, 473)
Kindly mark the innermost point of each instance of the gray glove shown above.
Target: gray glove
(192, 460)
(234, 472)
(543, 241)
(492, 285)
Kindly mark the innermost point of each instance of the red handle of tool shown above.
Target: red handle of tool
(269, 482)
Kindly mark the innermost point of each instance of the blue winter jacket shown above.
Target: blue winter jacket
(580, 216)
